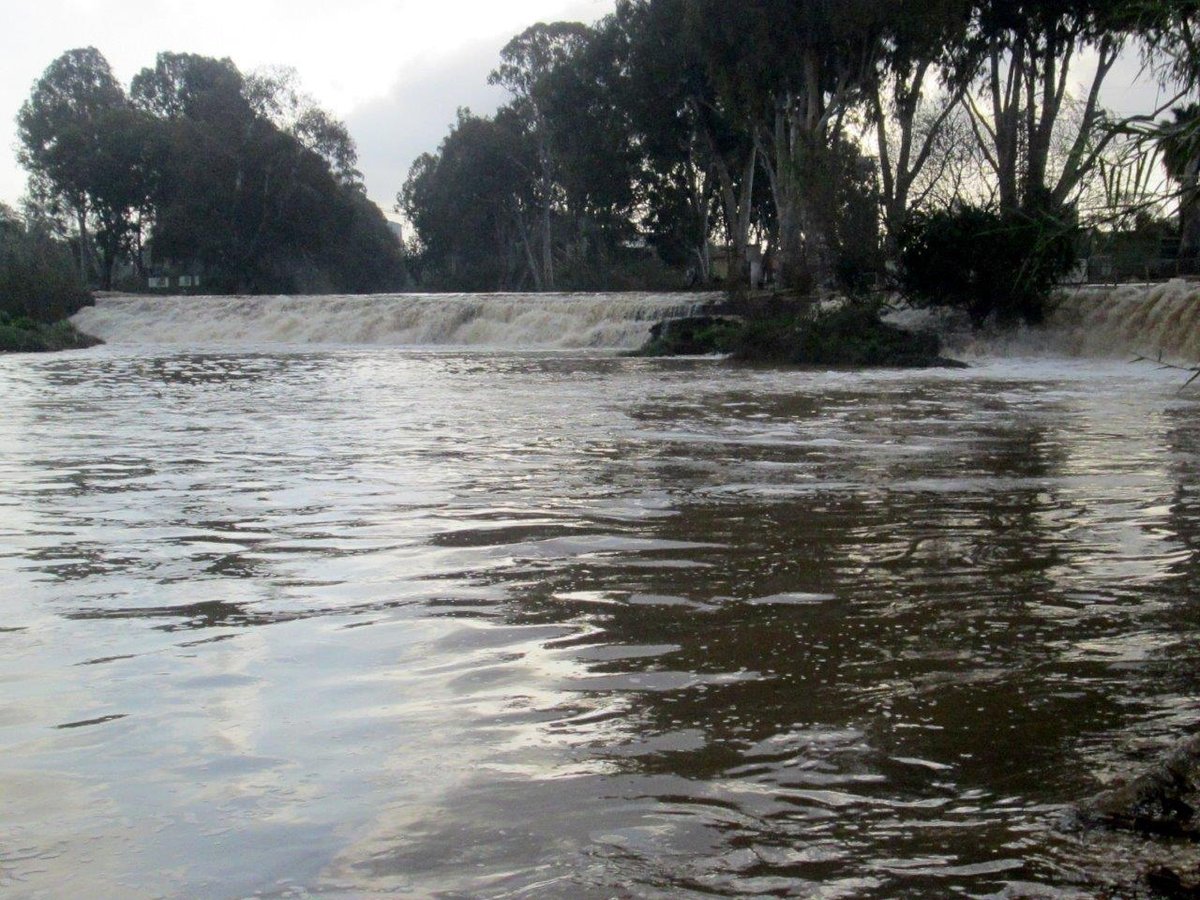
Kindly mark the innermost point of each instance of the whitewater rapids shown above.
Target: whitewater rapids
(508, 321)
(1095, 322)
(1143, 319)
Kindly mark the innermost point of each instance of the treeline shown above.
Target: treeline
(198, 169)
(843, 136)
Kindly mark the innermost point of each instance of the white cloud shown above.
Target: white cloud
(414, 116)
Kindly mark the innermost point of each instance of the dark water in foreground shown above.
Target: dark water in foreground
(374, 621)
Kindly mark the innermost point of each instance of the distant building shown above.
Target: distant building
(398, 231)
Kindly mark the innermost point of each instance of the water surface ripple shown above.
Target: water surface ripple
(355, 621)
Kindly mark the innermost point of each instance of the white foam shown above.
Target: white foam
(516, 321)
(1092, 322)
(1146, 319)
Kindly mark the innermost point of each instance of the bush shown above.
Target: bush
(23, 335)
(990, 265)
(692, 336)
(38, 278)
(849, 335)
(852, 334)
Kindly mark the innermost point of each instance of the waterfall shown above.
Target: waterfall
(1146, 319)
(516, 321)
(1093, 321)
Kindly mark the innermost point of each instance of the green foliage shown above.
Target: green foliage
(985, 263)
(80, 134)
(701, 123)
(547, 184)
(681, 137)
(852, 334)
(241, 181)
(38, 279)
(256, 207)
(23, 335)
(693, 336)
(478, 176)
(852, 194)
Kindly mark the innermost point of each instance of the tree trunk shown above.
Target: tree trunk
(534, 270)
(732, 209)
(547, 188)
(106, 273)
(1189, 211)
(85, 243)
(802, 195)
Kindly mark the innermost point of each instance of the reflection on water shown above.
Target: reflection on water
(564, 625)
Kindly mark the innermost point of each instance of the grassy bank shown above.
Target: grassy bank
(39, 289)
(20, 334)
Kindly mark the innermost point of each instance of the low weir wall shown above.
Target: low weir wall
(1129, 319)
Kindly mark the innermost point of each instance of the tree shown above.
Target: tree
(694, 153)
(1170, 33)
(259, 207)
(911, 125)
(275, 94)
(1179, 142)
(525, 64)
(37, 274)
(1022, 54)
(589, 136)
(81, 136)
(795, 70)
(484, 173)
(984, 262)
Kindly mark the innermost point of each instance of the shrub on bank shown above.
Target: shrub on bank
(852, 334)
(22, 334)
(693, 336)
(990, 265)
(38, 276)
(39, 289)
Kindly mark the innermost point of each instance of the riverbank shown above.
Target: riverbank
(24, 335)
(1161, 803)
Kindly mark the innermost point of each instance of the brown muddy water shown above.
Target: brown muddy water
(355, 621)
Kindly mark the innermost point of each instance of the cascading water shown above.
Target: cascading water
(1087, 322)
(517, 321)
(1094, 321)
(1117, 321)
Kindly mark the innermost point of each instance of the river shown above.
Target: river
(352, 620)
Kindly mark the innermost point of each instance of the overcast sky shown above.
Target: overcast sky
(395, 70)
